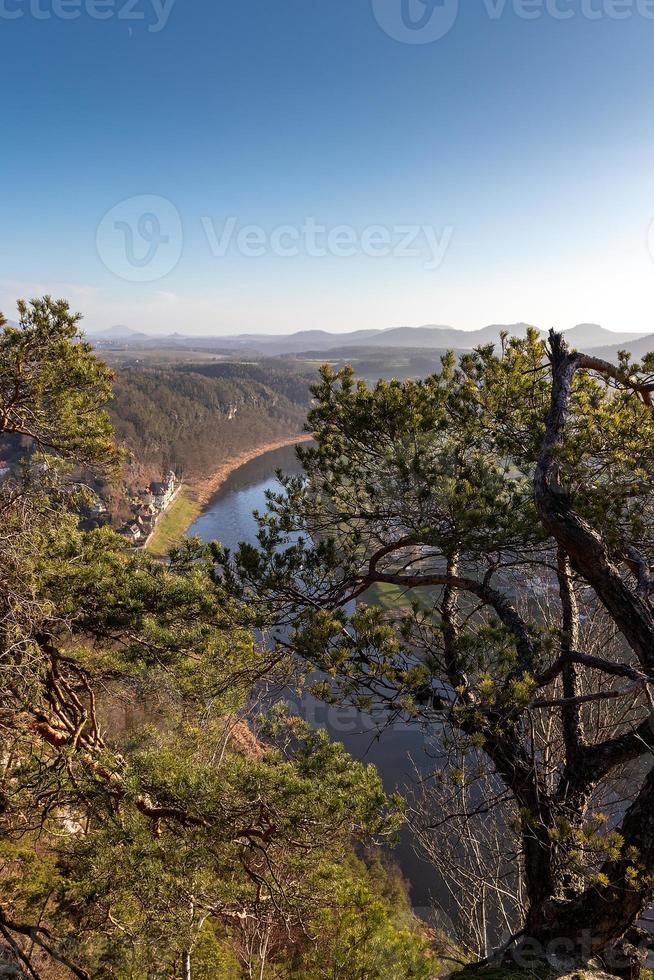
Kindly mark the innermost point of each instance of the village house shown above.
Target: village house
(157, 495)
(98, 512)
(147, 497)
(93, 515)
(132, 533)
(146, 507)
(162, 492)
(147, 523)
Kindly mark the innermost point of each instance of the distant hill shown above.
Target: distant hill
(429, 337)
(307, 339)
(592, 335)
(637, 348)
(296, 343)
(118, 332)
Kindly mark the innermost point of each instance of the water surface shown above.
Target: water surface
(228, 519)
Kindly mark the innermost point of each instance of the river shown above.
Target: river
(228, 519)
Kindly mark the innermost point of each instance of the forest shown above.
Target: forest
(159, 818)
(189, 417)
(152, 823)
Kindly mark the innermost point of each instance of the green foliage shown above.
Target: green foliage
(369, 931)
(470, 501)
(405, 477)
(52, 389)
(318, 801)
(142, 821)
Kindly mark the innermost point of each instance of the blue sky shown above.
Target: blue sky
(512, 158)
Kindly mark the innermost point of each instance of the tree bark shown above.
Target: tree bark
(588, 553)
(599, 917)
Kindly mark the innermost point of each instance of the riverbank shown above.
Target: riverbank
(192, 499)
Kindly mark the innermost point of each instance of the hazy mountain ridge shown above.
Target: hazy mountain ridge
(587, 336)
(593, 335)
(119, 332)
(637, 348)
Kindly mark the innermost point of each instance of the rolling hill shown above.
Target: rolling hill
(429, 337)
(637, 348)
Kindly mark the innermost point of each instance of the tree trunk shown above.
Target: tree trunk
(596, 922)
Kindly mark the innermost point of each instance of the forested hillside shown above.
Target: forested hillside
(188, 418)
(148, 831)
(161, 820)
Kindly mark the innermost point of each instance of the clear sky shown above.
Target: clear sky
(512, 158)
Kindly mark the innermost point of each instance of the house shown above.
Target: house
(94, 514)
(170, 482)
(146, 523)
(163, 491)
(145, 512)
(147, 497)
(132, 533)
(97, 515)
(159, 493)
